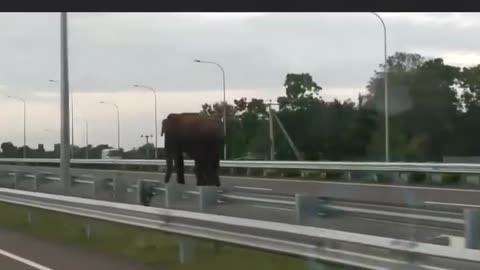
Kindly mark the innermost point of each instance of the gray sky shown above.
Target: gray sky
(111, 51)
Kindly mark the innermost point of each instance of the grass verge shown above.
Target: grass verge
(153, 248)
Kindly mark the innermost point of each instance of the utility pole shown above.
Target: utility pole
(272, 137)
(147, 146)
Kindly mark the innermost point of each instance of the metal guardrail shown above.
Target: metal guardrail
(351, 249)
(307, 207)
(294, 165)
(120, 183)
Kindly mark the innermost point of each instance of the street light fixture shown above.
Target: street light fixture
(224, 101)
(118, 121)
(24, 124)
(156, 122)
(385, 71)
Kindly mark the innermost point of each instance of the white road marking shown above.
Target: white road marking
(395, 214)
(452, 204)
(367, 205)
(23, 260)
(255, 199)
(253, 188)
(272, 207)
(319, 182)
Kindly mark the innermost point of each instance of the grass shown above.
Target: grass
(153, 248)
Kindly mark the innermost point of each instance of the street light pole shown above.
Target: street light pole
(24, 124)
(224, 101)
(86, 139)
(156, 121)
(71, 106)
(118, 121)
(385, 71)
(64, 110)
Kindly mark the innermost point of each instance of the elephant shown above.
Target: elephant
(199, 136)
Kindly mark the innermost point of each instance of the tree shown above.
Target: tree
(9, 150)
(422, 104)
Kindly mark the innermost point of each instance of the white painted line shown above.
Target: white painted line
(320, 182)
(80, 181)
(23, 260)
(367, 205)
(253, 188)
(273, 207)
(254, 199)
(452, 204)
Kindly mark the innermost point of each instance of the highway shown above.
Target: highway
(365, 223)
(374, 209)
(184, 222)
(360, 192)
(21, 252)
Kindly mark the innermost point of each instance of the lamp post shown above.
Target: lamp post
(24, 124)
(118, 121)
(224, 101)
(71, 113)
(64, 112)
(385, 71)
(156, 121)
(86, 139)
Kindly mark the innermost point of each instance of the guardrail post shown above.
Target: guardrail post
(17, 179)
(306, 208)
(120, 187)
(140, 186)
(37, 181)
(401, 177)
(436, 178)
(472, 179)
(98, 185)
(348, 176)
(30, 217)
(208, 196)
(185, 251)
(88, 230)
(373, 176)
(472, 228)
(172, 194)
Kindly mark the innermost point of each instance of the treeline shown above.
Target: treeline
(434, 111)
(9, 150)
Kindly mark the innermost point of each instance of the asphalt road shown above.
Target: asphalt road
(360, 192)
(22, 252)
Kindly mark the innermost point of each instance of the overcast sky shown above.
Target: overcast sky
(109, 52)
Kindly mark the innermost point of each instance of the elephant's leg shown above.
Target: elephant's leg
(198, 171)
(180, 168)
(168, 172)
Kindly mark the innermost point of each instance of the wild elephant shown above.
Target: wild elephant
(199, 136)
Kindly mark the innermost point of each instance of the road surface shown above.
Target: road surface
(23, 252)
